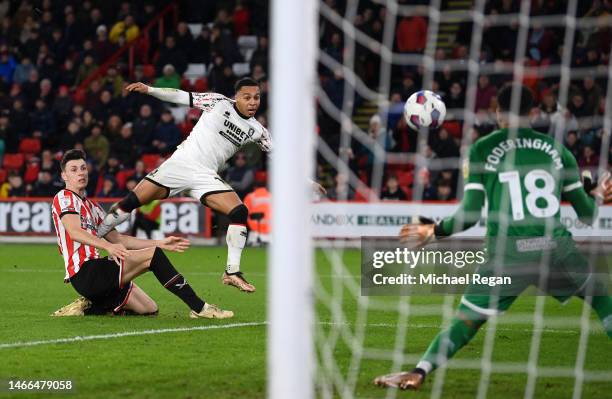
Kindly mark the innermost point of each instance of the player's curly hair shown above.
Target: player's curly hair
(504, 99)
(71, 155)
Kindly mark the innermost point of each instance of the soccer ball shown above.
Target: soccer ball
(424, 109)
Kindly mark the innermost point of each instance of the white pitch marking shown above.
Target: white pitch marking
(127, 334)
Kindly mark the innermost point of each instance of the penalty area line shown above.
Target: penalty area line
(128, 334)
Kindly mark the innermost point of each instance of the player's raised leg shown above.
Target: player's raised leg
(145, 192)
(154, 259)
(228, 203)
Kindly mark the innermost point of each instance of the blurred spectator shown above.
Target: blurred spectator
(589, 159)
(96, 145)
(260, 214)
(444, 190)
(240, 176)
(171, 54)
(392, 190)
(592, 94)
(143, 127)
(543, 115)
(113, 127)
(573, 145)
(170, 79)
(334, 88)
(19, 119)
(260, 55)
(44, 186)
(223, 43)
(123, 146)
(85, 69)
(423, 180)
(109, 189)
(68, 74)
(341, 190)
(113, 81)
(48, 163)
(7, 133)
(111, 167)
(484, 93)
(7, 65)
(183, 38)
(455, 98)
(102, 47)
(411, 34)
(241, 19)
(16, 186)
(200, 52)
(444, 145)
(139, 171)
(22, 70)
(166, 135)
(126, 28)
(42, 120)
(72, 136)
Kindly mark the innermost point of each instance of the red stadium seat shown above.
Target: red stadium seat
(186, 85)
(151, 161)
(148, 72)
(13, 161)
(30, 146)
(405, 178)
(31, 172)
(3, 175)
(123, 176)
(200, 85)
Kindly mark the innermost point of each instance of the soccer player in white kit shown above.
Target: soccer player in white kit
(224, 127)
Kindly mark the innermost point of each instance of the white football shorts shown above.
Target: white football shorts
(179, 175)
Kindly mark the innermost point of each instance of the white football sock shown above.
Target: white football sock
(425, 366)
(236, 239)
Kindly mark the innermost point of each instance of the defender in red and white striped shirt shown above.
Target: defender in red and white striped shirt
(91, 215)
(106, 282)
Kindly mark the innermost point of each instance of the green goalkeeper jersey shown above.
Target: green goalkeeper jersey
(523, 175)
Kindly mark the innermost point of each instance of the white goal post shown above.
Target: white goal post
(290, 309)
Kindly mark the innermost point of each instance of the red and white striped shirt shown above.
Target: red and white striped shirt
(91, 215)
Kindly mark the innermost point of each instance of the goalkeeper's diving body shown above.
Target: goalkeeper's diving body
(523, 175)
(224, 127)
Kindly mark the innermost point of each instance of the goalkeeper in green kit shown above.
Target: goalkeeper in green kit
(523, 175)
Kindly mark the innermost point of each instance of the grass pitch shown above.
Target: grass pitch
(172, 356)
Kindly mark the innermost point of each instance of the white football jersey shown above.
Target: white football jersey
(220, 132)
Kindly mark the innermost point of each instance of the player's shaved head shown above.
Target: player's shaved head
(504, 100)
(245, 82)
(71, 155)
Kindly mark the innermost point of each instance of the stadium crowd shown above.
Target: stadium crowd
(48, 48)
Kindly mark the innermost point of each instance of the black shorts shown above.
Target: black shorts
(99, 280)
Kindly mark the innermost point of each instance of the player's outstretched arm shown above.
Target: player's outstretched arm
(72, 224)
(467, 215)
(170, 95)
(171, 243)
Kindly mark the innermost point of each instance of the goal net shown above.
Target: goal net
(380, 175)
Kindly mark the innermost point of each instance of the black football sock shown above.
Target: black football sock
(129, 203)
(173, 281)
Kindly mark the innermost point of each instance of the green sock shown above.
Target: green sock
(603, 307)
(461, 331)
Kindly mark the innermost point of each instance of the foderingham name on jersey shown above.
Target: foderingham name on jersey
(499, 151)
